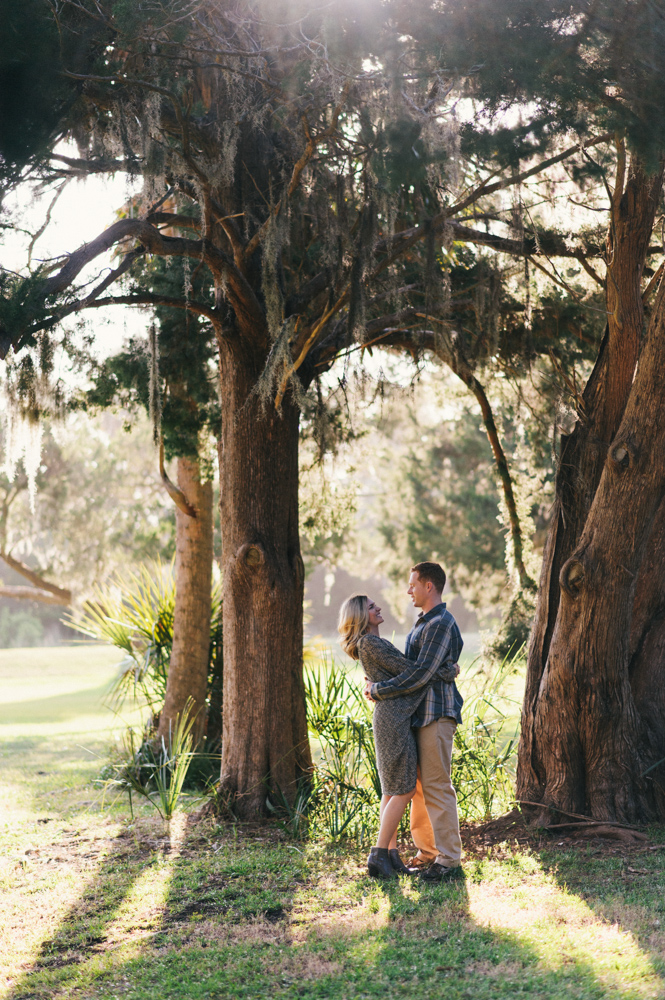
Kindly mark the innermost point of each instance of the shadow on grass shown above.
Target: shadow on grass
(367, 940)
(624, 888)
(249, 917)
(58, 708)
(80, 941)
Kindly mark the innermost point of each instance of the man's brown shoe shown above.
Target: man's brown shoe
(440, 873)
(418, 864)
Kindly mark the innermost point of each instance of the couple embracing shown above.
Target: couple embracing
(417, 710)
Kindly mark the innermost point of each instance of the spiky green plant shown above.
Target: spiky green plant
(345, 790)
(483, 769)
(346, 787)
(134, 612)
(154, 770)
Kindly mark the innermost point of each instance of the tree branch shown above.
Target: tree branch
(174, 221)
(307, 346)
(33, 594)
(176, 494)
(483, 190)
(250, 316)
(548, 244)
(545, 245)
(148, 299)
(447, 348)
(99, 166)
(60, 594)
(299, 166)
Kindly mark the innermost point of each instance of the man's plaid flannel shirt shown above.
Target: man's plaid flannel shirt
(434, 641)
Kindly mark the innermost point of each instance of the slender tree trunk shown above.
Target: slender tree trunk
(503, 471)
(556, 763)
(188, 668)
(264, 742)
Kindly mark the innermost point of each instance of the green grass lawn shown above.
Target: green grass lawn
(93, 906)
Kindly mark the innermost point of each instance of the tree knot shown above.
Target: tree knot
(622, 456)
(572, 577)
(251, 554)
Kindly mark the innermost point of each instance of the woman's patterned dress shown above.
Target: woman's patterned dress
(396, 754)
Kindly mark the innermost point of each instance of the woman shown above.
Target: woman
(396, 754)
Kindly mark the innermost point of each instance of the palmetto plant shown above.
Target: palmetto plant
(343, 797)
(340, 798)
(135, 613)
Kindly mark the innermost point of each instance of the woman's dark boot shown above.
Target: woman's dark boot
(398, 864)
(379, 864)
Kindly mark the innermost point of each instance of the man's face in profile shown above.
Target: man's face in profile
(419, 590)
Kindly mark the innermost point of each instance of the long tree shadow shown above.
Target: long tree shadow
(81, 935)
(247, 916)
(623, 887)
(55, 708)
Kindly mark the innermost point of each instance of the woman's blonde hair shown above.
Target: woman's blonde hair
(353, 623)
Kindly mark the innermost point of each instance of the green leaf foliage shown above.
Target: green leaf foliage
(570, 66)
(186, 366)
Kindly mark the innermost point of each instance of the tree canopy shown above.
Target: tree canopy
(384, 174)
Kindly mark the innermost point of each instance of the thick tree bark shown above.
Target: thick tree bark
(556, 762)
(188, 668)
(594, 746)
(264, 742)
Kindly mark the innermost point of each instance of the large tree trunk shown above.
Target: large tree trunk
(188, 668)
(562, 774)
(594, 744)
(264, 742)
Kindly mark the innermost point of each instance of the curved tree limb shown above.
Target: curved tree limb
(528, 247)
(485, 189)
(200, 308)
(81, 168)
(33, 594)
(447, 349)
(307, 345)
(60, 595)
(248, 311)
(176, 494)
(503, 470)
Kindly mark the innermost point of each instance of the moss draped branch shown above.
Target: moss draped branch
(249, 314)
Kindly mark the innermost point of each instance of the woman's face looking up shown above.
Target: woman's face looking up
(375, 616)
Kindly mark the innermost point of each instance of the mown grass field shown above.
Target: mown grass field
(93, 906)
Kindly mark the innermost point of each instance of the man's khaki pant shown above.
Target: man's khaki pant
(434, 820)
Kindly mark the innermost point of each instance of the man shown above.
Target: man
(433, 641)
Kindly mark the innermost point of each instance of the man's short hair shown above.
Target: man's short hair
(432, 572)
